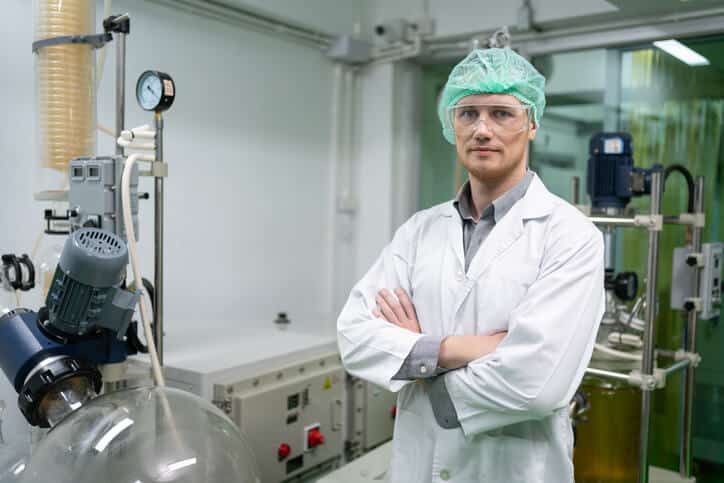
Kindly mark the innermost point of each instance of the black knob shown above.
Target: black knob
(689, 306)
(625, 285)
(691, 260)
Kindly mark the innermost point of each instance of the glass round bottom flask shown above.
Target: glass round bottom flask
(148, 435)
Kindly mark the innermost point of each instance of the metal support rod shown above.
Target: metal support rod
(613, 221)
(648, 360)
(685, 455)
(607, 374)
(677, 366)
(158, 244)
(576, 190)
(120, 87)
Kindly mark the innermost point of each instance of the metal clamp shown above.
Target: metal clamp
(693, 358)
(697, 220)
(647, 382)
(96, 41)
(159, 169)
(652, 222)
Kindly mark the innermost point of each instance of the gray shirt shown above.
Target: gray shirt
(422, 360)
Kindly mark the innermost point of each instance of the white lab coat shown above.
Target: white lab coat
(539, 275)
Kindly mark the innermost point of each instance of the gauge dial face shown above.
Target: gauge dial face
(149, 91)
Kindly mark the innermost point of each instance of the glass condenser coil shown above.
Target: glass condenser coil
(65, 84)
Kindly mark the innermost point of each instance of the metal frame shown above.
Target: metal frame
(649, 376)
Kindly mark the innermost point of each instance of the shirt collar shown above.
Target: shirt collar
(499, 207)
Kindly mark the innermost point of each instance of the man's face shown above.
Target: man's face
(487, 150)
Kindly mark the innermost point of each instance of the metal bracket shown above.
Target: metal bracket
(159, 169)
(697, 220)
(693, 358)
(96, 41)
(653, 222)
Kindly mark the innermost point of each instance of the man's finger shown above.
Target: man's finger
(406, 303)
(376, 312)
(394, 305)
(386, 310)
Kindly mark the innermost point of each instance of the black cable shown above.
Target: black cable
(689, 181)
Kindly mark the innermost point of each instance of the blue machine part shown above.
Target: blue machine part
(609, 170)
(23, 345)
(612, 178)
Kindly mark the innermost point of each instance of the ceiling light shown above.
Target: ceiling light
(681, 52)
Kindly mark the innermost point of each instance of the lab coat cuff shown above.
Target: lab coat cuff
(421, 362)
(442, 406)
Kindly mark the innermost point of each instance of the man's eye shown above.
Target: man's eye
(502, 114)
(468, 114)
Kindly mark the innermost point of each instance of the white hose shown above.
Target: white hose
(133, 252)
(619, 354)
(135, 145)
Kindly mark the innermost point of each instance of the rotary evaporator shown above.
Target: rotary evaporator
(612, 409)
(68, 359)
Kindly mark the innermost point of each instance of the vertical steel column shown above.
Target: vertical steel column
(647, 363)
(158, 244)
(120, 87)
(685, 456)
(576, 190)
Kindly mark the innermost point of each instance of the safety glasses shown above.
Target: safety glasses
(500, 118)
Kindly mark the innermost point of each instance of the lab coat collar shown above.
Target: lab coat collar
(538, 202)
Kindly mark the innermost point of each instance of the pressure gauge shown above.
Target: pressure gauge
(155, 91)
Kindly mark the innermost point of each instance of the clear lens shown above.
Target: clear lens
(501, 118)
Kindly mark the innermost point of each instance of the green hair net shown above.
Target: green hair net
(492, 71)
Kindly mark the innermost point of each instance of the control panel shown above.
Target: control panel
(371, 416)
(292, 417)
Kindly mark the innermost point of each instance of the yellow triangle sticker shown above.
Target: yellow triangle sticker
(327, 383)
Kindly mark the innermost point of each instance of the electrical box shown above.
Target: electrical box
(94, 197)
(284, 389)
(371, 416)
(710, 279)
(292, 416)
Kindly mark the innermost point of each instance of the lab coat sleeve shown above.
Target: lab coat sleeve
(539, 364)
(372, 348)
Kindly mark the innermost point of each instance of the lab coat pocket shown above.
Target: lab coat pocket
(517, 453)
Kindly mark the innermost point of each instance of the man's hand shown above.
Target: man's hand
(400, 313)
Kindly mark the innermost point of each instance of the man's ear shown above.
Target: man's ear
(532, 131)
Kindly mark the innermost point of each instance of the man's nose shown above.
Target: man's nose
(482, 130)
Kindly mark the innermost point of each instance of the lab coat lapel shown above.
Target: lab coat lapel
(537, 202)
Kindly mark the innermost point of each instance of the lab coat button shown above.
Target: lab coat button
(460, 276)
(423, 370)
(445, 475)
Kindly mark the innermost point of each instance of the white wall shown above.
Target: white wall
(247, 146)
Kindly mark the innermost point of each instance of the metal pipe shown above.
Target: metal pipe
(120, 88)
(647, 362)
(158, 244)
(576, 190)
(607, 374)
(685, 454)
(677, 366)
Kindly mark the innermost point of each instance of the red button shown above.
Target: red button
(393, 411)
(284, 451)
(315, 438)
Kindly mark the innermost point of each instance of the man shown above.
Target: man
(483, 311)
